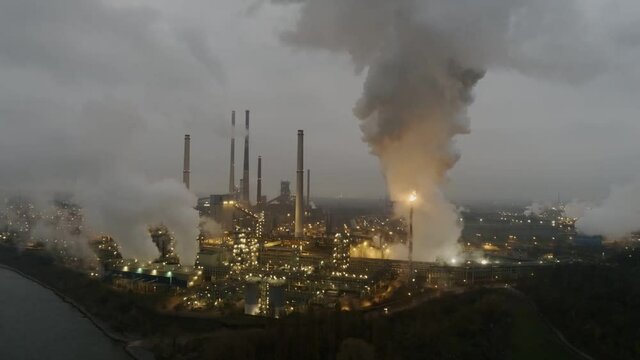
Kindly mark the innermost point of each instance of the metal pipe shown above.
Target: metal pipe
(299, 228)
(187, 160)
(411, 246)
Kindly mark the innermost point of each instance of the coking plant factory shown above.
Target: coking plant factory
(275, 256)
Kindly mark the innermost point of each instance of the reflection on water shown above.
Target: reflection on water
(36, 324)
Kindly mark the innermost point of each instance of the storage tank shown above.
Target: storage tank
(252, 296)
(276, 297)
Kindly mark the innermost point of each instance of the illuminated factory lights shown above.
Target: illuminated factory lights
(413, 197)
(245, 252)
(340, 254)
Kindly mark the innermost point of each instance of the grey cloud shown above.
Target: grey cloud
(75, 40)
(89, 81)
(616, 217)
(197, 44)
(422, 60)
(91, 88)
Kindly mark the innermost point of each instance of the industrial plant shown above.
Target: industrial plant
(147, 213)
(287, 254)
(291, 257)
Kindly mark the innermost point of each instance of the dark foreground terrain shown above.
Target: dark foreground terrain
(596, 308)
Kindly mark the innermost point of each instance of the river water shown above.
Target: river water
(37, 324)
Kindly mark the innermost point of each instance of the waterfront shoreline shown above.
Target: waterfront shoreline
(124, 342)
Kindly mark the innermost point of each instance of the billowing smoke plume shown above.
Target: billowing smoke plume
(56, 225)
(617, 216)
(576, 209)
(210, 227)
(125, 207)
(422, 60)
(535, 209)
(60, 227)
(95, 100)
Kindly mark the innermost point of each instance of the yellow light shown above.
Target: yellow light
(413, 197)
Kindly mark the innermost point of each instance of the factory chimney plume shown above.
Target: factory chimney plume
(232, 163)
(245, 171)
(187, 160)
(420, 68)
(259, 192)
(299, 187)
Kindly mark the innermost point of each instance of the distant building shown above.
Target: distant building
(221, 209)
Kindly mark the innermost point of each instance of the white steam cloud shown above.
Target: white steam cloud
(535, 209)
(576, 209)
(210, 226)
(125, 207)
(617, 217)
(422, 60)
(92, 89)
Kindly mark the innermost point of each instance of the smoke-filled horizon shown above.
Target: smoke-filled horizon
(97, 95)
(422, 60)
(90, 84)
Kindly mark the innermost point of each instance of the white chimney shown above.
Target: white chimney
(299, 233)
(187, 160)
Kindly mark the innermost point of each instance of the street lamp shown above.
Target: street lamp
(412, 199)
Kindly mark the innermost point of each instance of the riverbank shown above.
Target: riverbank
(485, 322)
(36, 323)
(87, 296)
(137, 321)
(128, 344)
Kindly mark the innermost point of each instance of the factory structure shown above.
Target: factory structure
(283, 254)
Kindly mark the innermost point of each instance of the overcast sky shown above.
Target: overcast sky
(89, 86)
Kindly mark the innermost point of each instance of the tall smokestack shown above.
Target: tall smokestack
(187, 161)
(259, 196)
(308, 189)
(245, 171)
(299, 187)
(232, 163)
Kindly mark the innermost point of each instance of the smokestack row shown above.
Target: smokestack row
(187, 161)
(299, 228)
(243, 189)
(244, 182)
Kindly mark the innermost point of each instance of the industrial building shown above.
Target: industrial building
(280, 255)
